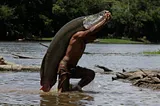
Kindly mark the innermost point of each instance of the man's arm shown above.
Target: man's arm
(92, 30)
(99, 25)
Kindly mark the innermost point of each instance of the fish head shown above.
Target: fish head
(91, 20)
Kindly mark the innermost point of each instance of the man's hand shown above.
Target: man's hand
(107, 16)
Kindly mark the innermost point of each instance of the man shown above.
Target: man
(68, 65)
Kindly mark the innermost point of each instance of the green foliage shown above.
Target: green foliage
(66, 10)
(156, 13)
(157, 52)
(6, 12)
(134, 19)
(46, 20)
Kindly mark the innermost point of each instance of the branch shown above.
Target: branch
(24, 57)
(104, 68)
(44, 45)
(156, 80)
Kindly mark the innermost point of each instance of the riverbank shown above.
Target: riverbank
(99, 40)
(156, 52)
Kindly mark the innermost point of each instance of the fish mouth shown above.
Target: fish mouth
(91, 20)
(46, 87)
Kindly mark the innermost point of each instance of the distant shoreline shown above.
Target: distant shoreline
(100, 40)
(105, 41)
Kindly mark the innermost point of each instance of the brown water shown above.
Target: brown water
(22, 88)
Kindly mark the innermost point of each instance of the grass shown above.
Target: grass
(44, 39)
(118, 41)
(157, 52)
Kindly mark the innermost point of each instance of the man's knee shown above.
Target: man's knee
(92, 74)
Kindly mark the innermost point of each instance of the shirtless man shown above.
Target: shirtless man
(68, 65)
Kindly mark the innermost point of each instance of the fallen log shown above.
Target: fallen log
(141, 78)
(24, 57)
(44, 45)
(104, 68)
(155, 79)
(19, 68)
(8, 66)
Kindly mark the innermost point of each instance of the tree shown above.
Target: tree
(6, 15)
(66, 10)
(43, 18)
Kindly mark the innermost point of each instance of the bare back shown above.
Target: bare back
(75, 48)
(79, 40)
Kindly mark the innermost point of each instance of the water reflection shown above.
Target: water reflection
(65, 99)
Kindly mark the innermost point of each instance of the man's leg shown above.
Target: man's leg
(86, 75)
(63, 80)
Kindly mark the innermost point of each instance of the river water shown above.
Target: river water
(22, 88)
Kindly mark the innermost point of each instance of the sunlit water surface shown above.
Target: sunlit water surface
(22, 88)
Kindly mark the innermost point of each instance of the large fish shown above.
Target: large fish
(58, 45)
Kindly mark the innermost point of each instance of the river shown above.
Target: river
(22, 88)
